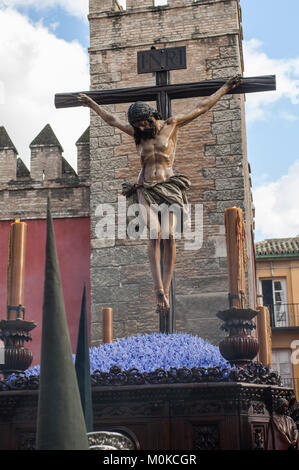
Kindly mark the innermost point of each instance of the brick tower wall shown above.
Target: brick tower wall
(211, 151)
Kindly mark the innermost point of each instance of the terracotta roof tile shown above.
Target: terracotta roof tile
(278, 247)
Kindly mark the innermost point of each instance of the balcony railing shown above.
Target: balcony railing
(291, 383)
(284, 315)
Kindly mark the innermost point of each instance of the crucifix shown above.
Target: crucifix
(157, 127)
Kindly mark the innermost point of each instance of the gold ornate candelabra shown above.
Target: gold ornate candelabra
(240, 347)
(14, 331)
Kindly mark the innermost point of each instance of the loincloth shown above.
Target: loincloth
(171, 191)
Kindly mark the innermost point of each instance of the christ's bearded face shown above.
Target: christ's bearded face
(141, 125)
(141, 116)
(145, 129)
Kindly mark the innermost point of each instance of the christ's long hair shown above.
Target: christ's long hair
(141, 111)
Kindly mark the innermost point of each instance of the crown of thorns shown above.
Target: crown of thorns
(141, 111)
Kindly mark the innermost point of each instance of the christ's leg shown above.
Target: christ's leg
(169, 252)
(154, 227)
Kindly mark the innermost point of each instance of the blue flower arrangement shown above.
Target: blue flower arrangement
(150, 352)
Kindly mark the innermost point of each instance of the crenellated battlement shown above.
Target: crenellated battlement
(115, 6)
(8, 157)
(46, 163)
(24, 192)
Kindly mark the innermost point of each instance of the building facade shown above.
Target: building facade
(277, 263)
(211, 151)
(23, 195)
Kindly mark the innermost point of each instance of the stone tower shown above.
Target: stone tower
(211, 151)
(8, 157)
(46, 153)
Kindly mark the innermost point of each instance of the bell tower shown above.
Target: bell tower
(211, 151)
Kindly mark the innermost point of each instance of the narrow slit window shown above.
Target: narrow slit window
(122, 4)
(158, 3)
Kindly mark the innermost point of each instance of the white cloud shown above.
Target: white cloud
(73, 7)
(35, 65)
(1, 92)
(276, 203)
(287, 77)
(288, 116)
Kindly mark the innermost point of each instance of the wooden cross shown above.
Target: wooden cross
(160, 62)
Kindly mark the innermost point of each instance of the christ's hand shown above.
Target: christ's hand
(84, 100)
(233, 82)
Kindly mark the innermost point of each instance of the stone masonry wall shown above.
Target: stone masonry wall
(211, 151)
(9, 162)
(45, 161)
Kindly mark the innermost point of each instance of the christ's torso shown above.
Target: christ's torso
(157, 154)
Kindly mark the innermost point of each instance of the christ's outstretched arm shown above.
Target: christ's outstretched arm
(109, 118)
(207, 103)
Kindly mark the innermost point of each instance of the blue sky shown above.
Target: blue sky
(274, 22)
(44, 49)
(273, 138)
(273, 142)
(58, 20)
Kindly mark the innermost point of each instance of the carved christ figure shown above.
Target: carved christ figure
(155, 141)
